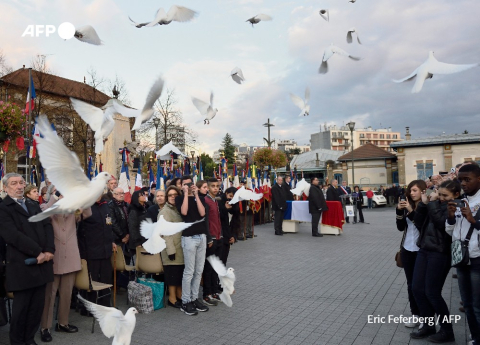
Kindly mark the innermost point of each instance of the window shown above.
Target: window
(375, 136)
(395, 136)
(362, 135)
(369, 135)
(424, 170)
(334, 134)
(382, 136)
(334, 140)
(388, 136)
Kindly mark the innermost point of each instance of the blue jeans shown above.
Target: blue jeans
(431, 270)
(469, 285)
(370, 202)
(194, 248)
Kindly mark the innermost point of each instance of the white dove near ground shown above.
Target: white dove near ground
(175, 13)
(205, 109)
(237, 75)
(328, 53)
(100, 120)
(322, 14)
(66, 174)
(153, 232)
(258, 18)
(87, 34)
(430, 67)
(349, 35)
(245, 194)
(142, 116)
(112, 321)
(301, 188)
(302, 104)
(226, 277)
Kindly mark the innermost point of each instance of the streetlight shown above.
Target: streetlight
(156, 123)
(351, 126)
(193, 154)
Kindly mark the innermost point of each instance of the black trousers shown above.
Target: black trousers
(26, 314)
(211, 283)
(315, 220)
(278, 222)
(408, 260)
(225, 252)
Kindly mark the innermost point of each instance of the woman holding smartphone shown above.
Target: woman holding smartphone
(409, 249)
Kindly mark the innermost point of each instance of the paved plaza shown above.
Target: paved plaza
(295, 289)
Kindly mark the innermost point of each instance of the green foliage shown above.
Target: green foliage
(228, 148)
(207, 164)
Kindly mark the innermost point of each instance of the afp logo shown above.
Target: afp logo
(65, 30)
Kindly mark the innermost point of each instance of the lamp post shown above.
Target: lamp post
(156, 123)
(193, 154)
(351, 126)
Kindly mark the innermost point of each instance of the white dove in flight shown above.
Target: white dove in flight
(205, 109)
(301, 187)
(352, 1)
(328, 53)
(87, 34)
(175, 13)
(245, 194)
(258, 18)
(112, 321)
(142, 116)
(237, 75)
(349, 35)
(100, 120)
(322, 13)
(226, 277)
(302, 104)
(152, 232)
(430, 67)
(66, 174)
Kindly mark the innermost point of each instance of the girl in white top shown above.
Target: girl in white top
(458, 224)
(409, 249)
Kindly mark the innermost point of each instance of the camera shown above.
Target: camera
(460, 203)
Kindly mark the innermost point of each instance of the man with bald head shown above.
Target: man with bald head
(111, 185)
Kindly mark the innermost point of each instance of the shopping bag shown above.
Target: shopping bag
(140, 296)
(158, 289)
(349, 210)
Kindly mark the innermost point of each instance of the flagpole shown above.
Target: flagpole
(27, 160)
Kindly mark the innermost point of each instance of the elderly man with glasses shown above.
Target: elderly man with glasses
(25, 240)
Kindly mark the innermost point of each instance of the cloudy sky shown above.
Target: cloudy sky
(277, 58)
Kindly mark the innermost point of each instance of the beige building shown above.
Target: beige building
(424, 157)
(339, 138)
(371, 166)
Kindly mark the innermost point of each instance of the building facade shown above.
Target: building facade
(290, 144)
(423, 157)
(339, 138)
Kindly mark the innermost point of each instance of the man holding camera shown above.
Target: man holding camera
(194, 244)
(25, 240)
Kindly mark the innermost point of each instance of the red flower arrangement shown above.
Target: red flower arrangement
(12, 120)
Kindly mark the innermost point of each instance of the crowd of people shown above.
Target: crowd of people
(432, 214)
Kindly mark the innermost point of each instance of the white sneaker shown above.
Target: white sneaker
(410, 323)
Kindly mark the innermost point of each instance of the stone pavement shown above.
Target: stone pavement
(295, 289)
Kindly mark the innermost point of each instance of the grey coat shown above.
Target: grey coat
(174, 242)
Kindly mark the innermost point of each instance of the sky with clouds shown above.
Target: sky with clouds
(276, 57)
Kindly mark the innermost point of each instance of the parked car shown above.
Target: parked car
(377, 200)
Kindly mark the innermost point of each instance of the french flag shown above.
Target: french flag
(30, 105)
(124, 182)
(138, 180)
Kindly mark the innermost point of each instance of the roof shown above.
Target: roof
(439, 140)
(367, 151)
(307, 161)
(56, 85)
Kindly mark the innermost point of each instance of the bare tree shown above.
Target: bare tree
(117, 89)
(4, 67)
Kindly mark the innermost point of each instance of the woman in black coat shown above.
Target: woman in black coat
(357, 197)
(136, 213)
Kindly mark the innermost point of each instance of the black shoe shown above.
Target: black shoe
(189, 309)
(45, 336)
(423, 332)
(317, 235)
(249, 236)
(177, 304)
(66, 329)
(85, 312)
(454, 276)
(199, 306)
(240, 238)
(279, 233)
(441, 337)
(354, 222)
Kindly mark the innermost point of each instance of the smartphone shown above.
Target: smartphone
(190, 184)
(403, 197)
(460, 203)
(58, 194)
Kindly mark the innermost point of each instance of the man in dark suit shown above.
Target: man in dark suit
(287, 188)
(316, 205)
(25, 240)
(344, 193)
(332, 193)
(279, 204)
